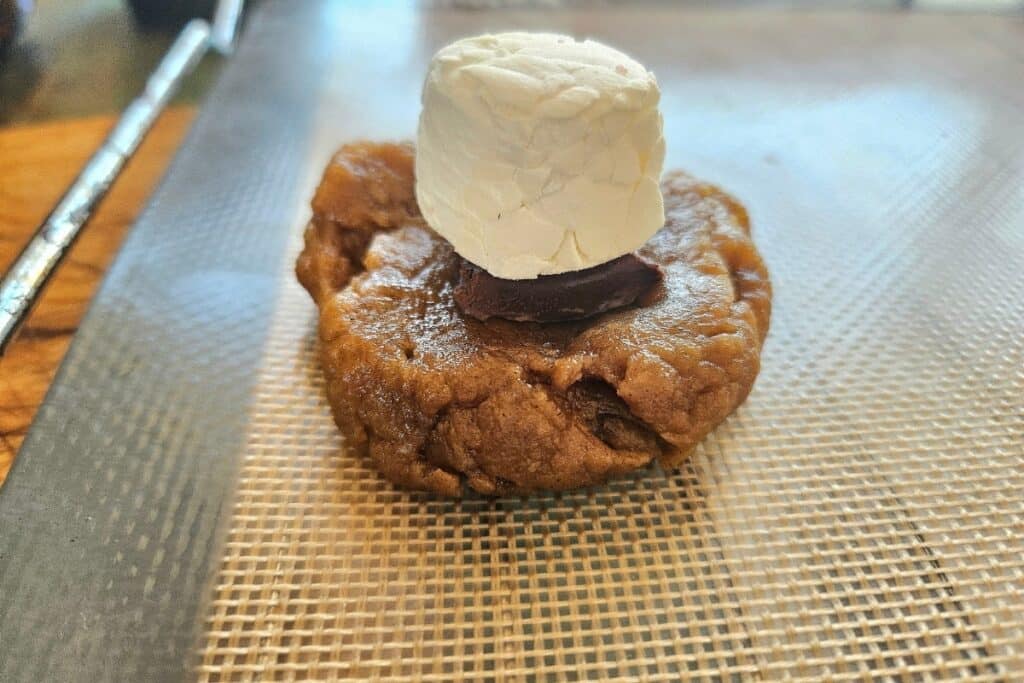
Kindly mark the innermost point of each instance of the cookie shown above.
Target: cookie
(439, 399)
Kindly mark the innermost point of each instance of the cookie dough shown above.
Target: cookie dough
(440, 400)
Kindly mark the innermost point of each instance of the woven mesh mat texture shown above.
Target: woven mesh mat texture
(861, 516)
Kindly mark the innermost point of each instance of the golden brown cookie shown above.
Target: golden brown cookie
(437, 398)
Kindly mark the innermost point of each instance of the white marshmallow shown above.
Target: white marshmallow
(538, 154)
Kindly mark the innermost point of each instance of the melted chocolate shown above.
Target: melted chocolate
(553, 298)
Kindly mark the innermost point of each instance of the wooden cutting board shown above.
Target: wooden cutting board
(37, 163)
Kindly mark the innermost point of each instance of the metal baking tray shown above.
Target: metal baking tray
(183, 507)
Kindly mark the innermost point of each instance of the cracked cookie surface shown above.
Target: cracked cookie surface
(439, 399)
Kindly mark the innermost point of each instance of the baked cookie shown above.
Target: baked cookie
(438, 399)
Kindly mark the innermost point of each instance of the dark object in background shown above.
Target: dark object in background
(159, 14)
(12, 18)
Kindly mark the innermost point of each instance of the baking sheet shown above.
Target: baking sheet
(861, 516)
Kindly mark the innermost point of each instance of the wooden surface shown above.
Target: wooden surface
(37, 162)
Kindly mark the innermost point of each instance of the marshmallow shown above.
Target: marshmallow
(538, 154)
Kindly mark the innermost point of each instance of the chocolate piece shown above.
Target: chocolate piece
(553, 298)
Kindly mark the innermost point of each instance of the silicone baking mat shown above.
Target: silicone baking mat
(860, 517)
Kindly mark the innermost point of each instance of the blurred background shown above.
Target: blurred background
(71, 58)
(68, 58)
